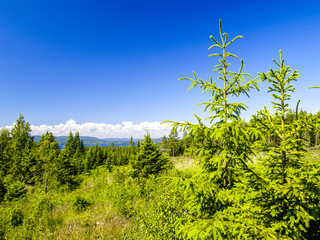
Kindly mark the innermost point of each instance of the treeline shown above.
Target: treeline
(308, 134)
(24, 162)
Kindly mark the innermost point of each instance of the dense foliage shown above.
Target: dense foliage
(250, 187)
(149, 160)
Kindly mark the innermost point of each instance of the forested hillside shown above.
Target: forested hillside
(229, 179)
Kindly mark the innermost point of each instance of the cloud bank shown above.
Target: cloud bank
(104, 130)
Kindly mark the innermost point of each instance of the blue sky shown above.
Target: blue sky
(114, 62)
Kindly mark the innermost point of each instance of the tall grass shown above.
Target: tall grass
(105, 206)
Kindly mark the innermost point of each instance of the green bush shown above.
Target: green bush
(16, 217)
(44, 206)
(119, 176)
(15, 190)
(3, 191)
(2, 229)
(80, 203)
(124, 195)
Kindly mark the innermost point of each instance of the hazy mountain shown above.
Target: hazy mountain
(91, 141)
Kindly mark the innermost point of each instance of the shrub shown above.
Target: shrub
(2, 229)
(16, 217)
(15, 190)
(80, 203)
(44, 206)
(3, 191)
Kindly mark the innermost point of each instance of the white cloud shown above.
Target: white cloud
(103, 130)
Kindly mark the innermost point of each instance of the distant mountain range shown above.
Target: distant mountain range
(91, 141)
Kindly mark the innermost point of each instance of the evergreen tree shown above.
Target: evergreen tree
(70, 147)
(66, 169)
(149, 160)
(29, 162)
(89, 159)
(47, 154)
(21, 150)
(20, 134)
(131, 143)
(164, 144)
(223, 151)
(77, 143)
(79, 155)
(186, 143)
(287, 198)
(4, 152)
(172, 143)
(311, 129)
(108, 160)
(3, 191)
(99, 156)
(132, 151)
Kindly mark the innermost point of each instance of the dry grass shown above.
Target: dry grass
(184, 163)
(95, 226)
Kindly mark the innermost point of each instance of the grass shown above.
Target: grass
(98, 220)
(105, 206)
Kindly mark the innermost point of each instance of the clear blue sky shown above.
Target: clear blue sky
(114, 61)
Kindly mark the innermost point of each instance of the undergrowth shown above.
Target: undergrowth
(105, 206)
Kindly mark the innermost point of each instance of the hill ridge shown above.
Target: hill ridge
(103, 142)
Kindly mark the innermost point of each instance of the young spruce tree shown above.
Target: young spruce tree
(47, 155)
(223, 150)
(149, 159)
(289, 196)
